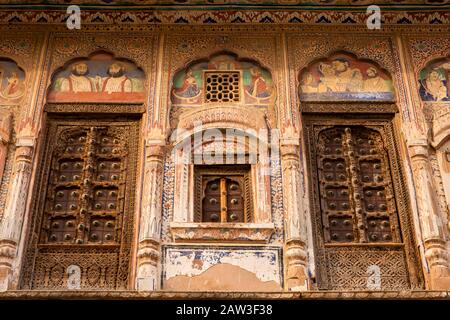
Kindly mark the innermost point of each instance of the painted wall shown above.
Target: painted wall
(407, 67)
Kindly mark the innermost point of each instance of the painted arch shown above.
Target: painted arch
(99, 78)
(344, 77)
(189, 84)
(12, 82)
(434, 81)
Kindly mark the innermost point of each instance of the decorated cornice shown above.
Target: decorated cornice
(299, 3)
(175, 295)
(182, 15)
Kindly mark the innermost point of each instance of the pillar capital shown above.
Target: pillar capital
(418, 148)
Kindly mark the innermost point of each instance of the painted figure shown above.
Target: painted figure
(258, 87)
(375, 83)
(78, 81)
(348, 79)
(328, 80)
(117, 81)
(434, 87)
(189, 88)
(344, 78)
(11, 87)
(307, 85)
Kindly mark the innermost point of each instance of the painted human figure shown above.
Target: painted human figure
(258, 87)
(433, 87)
(307, 84)
(375, 83)
(328, 79)
(348, 79)
(14, 87)
(189, 88)
(117, 81)
(78, 81)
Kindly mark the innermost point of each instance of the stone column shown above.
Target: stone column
(150, 222)
(433, 229)
(5, 136)
(295, 220)
(11, 224)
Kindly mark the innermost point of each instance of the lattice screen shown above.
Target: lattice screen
(222, 86)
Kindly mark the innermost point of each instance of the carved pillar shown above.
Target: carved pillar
(5, 136)
(296, 238)
(11, 224)
(433, 228)
(151, 215)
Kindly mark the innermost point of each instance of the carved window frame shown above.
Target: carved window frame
(331, 257)
(113, 259)
(184, 227)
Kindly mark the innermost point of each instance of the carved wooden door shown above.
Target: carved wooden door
(363, 231)
(83, 217)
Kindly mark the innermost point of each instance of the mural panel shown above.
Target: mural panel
(256, 83)
(12, 83)
(242, 269)
(434, 81)
(345, 78)
(98, 79)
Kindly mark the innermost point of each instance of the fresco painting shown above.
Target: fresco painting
(344, 78)
(257, 82)
(193, 261)
(434, 82)
(98, 79)
(12, 83)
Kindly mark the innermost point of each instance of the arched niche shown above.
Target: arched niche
(344, 77)
(101, 77)
(434, 84)
(12, 82)
(200, 86)
(209, 148)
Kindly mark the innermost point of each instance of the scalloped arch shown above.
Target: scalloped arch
(342, 76)
(99, 77)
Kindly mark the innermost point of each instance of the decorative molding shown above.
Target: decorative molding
(251, 3)
(180, 295)
(94, 108)
(346, 107)
(322, 16)
(222, 232)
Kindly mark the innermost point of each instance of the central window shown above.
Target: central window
(223, 194)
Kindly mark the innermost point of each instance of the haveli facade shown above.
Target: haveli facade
(105, 186)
